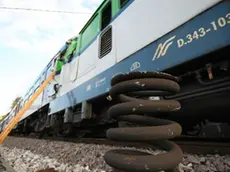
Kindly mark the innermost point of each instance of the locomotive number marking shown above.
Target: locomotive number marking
(100, 82)
(202, 32)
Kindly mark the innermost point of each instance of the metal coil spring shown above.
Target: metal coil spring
(130, 90)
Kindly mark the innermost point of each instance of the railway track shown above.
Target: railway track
(90, 152)
(188, 144)
(195, 147)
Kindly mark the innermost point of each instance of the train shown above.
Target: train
(172, 54)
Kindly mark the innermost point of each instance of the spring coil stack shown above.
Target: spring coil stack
(132, 91)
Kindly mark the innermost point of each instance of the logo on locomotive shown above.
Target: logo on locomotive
(163, 48)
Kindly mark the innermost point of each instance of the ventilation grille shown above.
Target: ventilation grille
(106, 43)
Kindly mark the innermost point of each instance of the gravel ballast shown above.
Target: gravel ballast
(25, 154)
(25, 161)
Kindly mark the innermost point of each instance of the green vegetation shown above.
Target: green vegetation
(15, 101)
(13, 104)
(3, 117)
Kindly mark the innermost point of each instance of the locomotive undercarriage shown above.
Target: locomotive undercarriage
(204, 96)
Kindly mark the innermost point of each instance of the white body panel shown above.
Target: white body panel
(34, 107)
(87, 60)
(74, 69)
(86, 68)
(145, 21)
(31, 110)
(49, 89)
(64, 73)
(89, 65)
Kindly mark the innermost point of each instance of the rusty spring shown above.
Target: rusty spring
(130, 89)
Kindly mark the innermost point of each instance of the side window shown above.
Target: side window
(18, 106)
(30, 96)
(75, 51)
(37, 85)
(123, 3)
(43, 77)
(25, 101)
(55, 62)
(90, 32)
(106, 15)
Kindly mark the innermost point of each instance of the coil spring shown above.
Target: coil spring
(130, 89)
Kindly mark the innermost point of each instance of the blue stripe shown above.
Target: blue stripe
(212, 40)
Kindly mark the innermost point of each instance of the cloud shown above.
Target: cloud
(30, 39)
(41, 29)
(91, 4)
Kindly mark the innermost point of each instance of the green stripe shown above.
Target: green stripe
(115, 7)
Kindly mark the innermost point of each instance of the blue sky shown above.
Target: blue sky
(28, 40)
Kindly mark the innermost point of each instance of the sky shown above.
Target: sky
(28, 40)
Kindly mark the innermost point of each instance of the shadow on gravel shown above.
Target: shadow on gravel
(53, 170)
(47, 170)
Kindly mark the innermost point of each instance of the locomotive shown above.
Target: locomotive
(134, 58)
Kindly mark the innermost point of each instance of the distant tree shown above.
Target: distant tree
(15, 101)
(4, 116)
